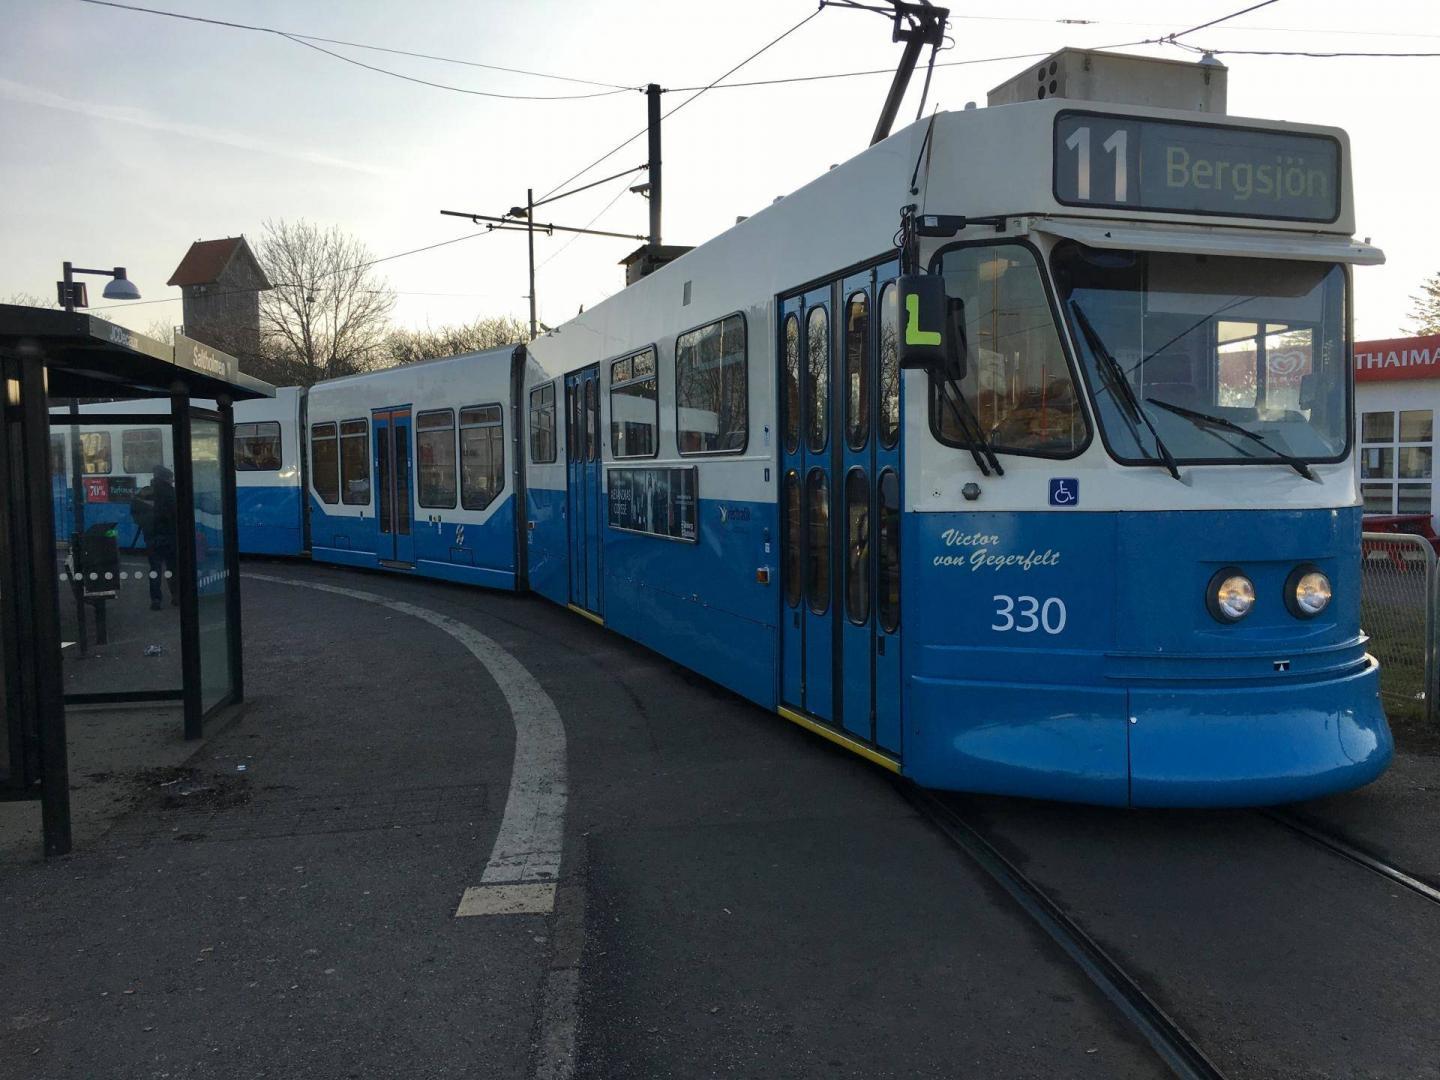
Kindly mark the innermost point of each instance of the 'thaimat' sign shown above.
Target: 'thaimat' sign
(1397, 358)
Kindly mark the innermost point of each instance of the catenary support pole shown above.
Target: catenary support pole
(530, 240)
(652, 99)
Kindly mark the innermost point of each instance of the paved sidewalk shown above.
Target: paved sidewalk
(736, 897)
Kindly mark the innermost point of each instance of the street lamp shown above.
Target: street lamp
(71, 293)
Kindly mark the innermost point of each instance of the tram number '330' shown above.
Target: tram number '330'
(1026, 614)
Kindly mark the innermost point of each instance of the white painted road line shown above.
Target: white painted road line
(524, 864)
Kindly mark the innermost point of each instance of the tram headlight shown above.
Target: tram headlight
(1230, 595)
(1307, 591)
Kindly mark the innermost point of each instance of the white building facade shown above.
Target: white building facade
(1397, 393)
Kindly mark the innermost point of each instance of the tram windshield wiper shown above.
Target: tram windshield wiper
(1204, 419)
(1121, 390)
(980, 449)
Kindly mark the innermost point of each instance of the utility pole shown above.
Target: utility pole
(651, 189)
(530, 239)
(652, 97)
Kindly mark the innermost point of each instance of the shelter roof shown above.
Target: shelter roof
(86, 356)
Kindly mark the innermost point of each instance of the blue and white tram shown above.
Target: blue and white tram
(407, 469)
(269, 474)
(1105, 551)
(1051, 493)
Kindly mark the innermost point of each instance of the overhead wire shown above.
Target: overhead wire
(320, 277)
(306, 39)
(710, 86)
(603, 211)
(446, 86)
(1221, 19)
(1304, 53)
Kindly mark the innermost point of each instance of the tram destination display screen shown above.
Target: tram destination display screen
(656, 501)
(1130, 163)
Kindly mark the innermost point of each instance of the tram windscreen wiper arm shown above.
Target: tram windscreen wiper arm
(970, 427)
(1120, 388)
(1203, 418)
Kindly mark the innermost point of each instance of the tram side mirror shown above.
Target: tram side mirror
(932, 326)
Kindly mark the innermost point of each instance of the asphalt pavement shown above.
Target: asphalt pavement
(735, 898)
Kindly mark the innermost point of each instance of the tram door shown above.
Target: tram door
(583, 503)
(840, 505)
(393, 473)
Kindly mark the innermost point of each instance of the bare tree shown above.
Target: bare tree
(25, 299)
(1425, 308)
(326, 314)
(162, 330)
(407, 346)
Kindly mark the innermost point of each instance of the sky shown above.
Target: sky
(126, 136)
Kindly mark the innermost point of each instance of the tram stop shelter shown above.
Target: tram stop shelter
(113, 590)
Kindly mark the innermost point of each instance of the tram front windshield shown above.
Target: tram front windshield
(1191, 357)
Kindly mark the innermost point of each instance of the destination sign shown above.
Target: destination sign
(1133, 164)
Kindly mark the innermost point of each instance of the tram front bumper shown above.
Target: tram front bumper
(1254, 746)
(1177, 745)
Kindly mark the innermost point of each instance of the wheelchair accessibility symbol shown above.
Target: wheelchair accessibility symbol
(1064, 492)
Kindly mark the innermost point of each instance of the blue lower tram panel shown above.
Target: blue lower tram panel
(1133, 695)
(1073, 657)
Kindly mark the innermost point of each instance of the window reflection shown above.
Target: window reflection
(1018, 380)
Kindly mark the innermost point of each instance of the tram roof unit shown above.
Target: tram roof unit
(999, 161)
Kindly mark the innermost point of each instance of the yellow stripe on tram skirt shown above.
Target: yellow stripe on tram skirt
(596, 619)
(840, 739)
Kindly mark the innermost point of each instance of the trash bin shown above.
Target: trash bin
(99, 562)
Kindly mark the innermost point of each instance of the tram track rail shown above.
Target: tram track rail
(1164, 1034)
(1345, 849)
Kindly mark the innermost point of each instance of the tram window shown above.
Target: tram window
(634, 406)
(791, 390)
(857, 547)
(817, 519)
(542, 424)
(889, 366)
(325, 462)
(888, 541)
(1018, 380)
(482, 455)
(857, 371)
(712, 390)
(142, 449)
(572, 422)
(817, 343)
(257, 447)
(435, 457)
(95, 453)
(592, 420)
(355, 462)
(59, 460)
(792, 538)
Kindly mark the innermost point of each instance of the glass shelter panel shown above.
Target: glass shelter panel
(115, 559)
(211, 573)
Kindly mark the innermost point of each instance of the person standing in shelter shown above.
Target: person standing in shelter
(157, 518)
